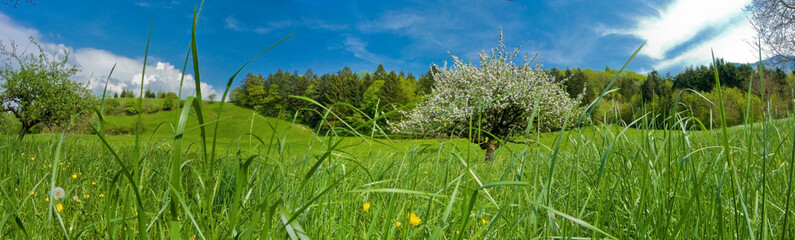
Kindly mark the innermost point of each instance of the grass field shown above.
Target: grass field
(601, 182)
(249, 177)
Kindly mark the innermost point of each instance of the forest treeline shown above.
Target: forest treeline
(355, 97)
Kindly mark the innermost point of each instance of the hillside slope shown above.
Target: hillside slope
(235, 122)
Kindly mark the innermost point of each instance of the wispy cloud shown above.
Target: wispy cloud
(359, 50)
(681, 22)
(272, 26)
(733, 46)
(392, 21)
(15, 32)
(320, 24)
(159, 4)
(233, 23)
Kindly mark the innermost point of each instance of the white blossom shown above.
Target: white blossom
(499, 96)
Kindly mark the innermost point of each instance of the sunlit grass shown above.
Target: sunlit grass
(222, 172)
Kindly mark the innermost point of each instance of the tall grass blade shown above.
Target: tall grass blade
(727, 151)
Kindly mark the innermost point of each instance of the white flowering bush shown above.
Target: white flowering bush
(498, 98)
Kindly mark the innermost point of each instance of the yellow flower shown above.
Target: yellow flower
(59, 207)
(397, 223)
(47, 199)
(74, 176)
(32, 158)
(484, 221)
(31, 193)
(414, 220)
(101, 195)
(86, 196)
(366, 207)
(94, 183)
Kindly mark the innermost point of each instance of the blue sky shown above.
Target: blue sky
(403, 35)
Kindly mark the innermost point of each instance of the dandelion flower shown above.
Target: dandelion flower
(93, 183)
(59, 207)
(74, 176)
(31, 193)
(32, 158)
(47, 199)
(86, 196)
(484, 221)
(101, 195)
(58, 193)
(414, 220)
(366, 207)
(397, 223)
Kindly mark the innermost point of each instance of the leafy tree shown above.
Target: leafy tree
(212, 97)
(37, 88)
(426, 83)
(575, 84)
(233, 94)
(149, 93)
(251, 91)
(651, 86)
(127, 93)
(497, 98)
(170, 100)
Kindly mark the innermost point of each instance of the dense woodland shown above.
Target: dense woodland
(356, 97)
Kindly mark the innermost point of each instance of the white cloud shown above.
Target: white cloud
(162, 76)
(732, 46)
(359, 50)
(95, 64)
(392, 20)
(14, 32)
(233, 23)
(682, 21)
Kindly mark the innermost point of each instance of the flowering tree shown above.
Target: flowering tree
(495, 99)
(37, 89)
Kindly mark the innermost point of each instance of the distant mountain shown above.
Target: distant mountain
(776, 62)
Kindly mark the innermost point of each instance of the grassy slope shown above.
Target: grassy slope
(235, 125)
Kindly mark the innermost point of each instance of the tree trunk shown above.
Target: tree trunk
(22, 132)
(489, 146)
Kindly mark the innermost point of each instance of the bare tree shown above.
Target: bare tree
(14, 3)
(774, 21)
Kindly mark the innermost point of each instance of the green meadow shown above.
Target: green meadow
(276, 179)
(219, 171)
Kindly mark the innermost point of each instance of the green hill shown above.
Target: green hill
(235, 122)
